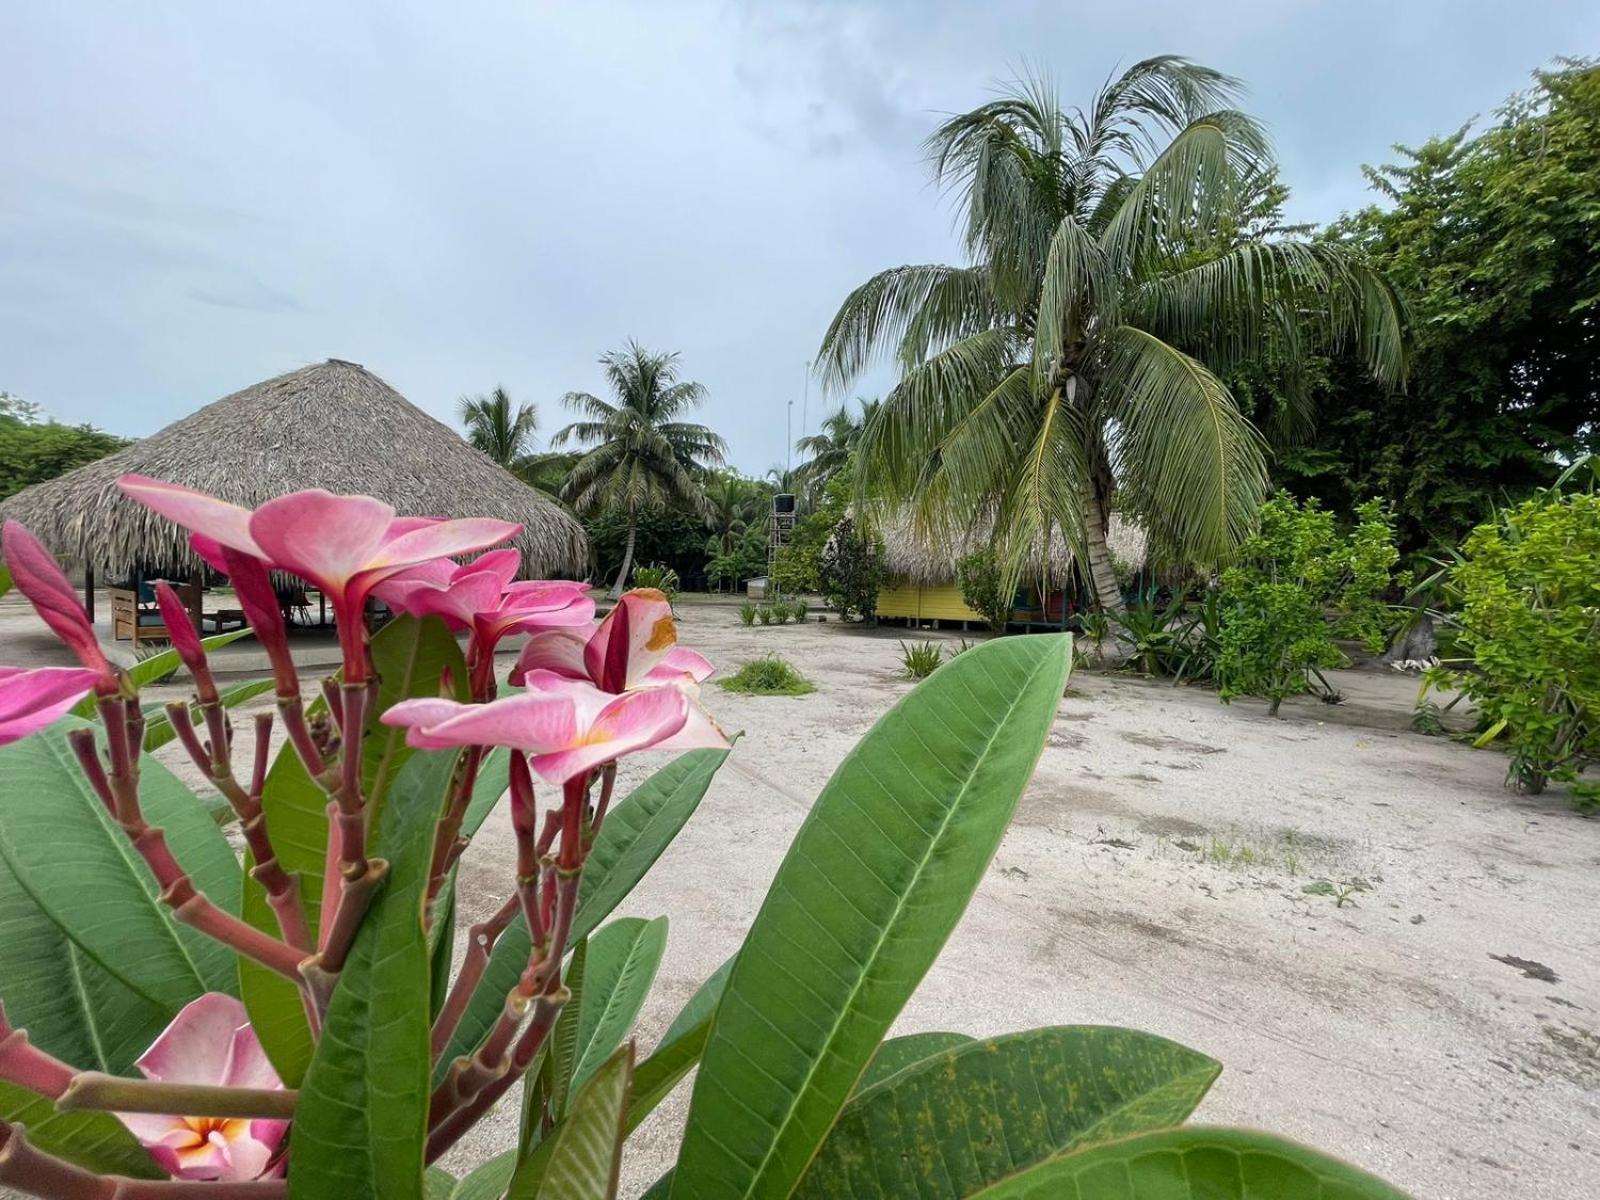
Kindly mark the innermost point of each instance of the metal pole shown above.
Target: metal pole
(788, 433)
(805, 399)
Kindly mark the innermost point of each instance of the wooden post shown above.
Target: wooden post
(88, 590)
(197, 579)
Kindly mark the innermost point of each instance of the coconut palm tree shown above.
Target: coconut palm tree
(640, 456)
(1073, 366)
(502, 430)
(733, 506)
(828, 450)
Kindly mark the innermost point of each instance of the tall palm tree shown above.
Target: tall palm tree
(1073, 365)
(502, 430)
(828, 450)
(732, 507)
(641, 456)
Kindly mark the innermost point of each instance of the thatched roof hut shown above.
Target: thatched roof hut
(929, 562)
(333, 425)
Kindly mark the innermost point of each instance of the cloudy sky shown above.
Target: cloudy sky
(196, 196)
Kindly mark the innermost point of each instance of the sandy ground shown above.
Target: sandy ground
(1153, 877)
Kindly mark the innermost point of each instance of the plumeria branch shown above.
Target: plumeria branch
(29, 1170)
(112, 1093)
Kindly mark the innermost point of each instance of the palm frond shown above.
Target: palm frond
(876, 318)
(1187, 461)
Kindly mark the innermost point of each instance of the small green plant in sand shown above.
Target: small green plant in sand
(780, 613)
(1343, 892)
(747, 613)
(771, 676)
(764, 615)
(920, 659)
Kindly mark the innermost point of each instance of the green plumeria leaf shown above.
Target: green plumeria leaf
(679, 1050)
(77, 865)
(623, 960)
(871, 887)
(157, 667)
(581, 1159)
(1194, 1163)
(489, 1181)
(362, 1118)
(633, 836)
(411, 657)
(969, 1116)
(96, 1141)
(896, 1054)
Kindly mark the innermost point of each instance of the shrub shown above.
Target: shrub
(780, 613)
(920, 659)
(662, 578)
(851, 568)
(770, 676)
(981, 588)
(797, 610)
(1295, 584)
(1529, 588)
(747, 613)
(764, 614)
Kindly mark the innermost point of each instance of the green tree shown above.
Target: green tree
(34, 448)
(1490, 240)
(829, 449)
(641, 456)
(502, 430)
(1074, 365)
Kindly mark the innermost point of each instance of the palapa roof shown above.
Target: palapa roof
(930, 559)
(332, 425)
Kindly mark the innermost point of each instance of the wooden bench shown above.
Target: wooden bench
(141, 622)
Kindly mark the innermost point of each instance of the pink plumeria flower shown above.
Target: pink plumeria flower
(565, 726)
(483, 598)
(32, 699)
(40, 579)
(635, 647)
(209, 1042)
(345, 545)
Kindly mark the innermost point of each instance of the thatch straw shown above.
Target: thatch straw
(334, 425)
(929, 561)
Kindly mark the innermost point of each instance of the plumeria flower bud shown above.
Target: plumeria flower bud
(209, 1042)
(186, 641)
(36, 575)
(32, 699)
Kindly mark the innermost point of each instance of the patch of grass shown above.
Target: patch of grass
(770, 676)
(764, 615)
(747, 613)
(920, 659)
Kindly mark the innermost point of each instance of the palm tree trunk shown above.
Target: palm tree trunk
(1102, 577)
(627, 561)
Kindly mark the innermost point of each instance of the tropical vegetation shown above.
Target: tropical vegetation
(1075, 364)
(34, 448)
(641, 455)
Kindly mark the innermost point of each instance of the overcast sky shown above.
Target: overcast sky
(196, 196)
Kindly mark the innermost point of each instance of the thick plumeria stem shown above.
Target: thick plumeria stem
(480, 944)
(608, 783)
(178, 892)
(448, 843)
(540, 987)
(23, 1063)
(112, 1093)
(32, 1172)
(283, 889)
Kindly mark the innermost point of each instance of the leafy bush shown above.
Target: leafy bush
(1298, 582)
(770, 676)
(1529, 588)
(851, 570)
(920, 659)
(747, 613)
(979, 576)
(662, 578)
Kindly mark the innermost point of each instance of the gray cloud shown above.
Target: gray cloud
(193, 197)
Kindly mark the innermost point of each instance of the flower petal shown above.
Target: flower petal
(680, 661)
(629, 723)
(323, 537)
(442, 539)
(533, 721)
(642, 619)
(32, 699)
(38, 577)
(197, 512)
(560, 652)
(194, 1048)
